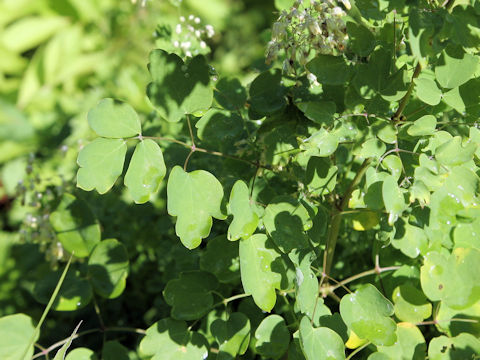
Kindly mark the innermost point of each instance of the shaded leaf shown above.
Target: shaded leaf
(272, 337)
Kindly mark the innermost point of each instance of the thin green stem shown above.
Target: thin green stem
(406, 97)
(336, 217)
(434, 322)
(363, 274)
(356, 351)
(47, 309)
(60, 343)
(231, 298)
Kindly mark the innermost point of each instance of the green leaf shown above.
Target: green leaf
(108, 268)
(113, 350)
(393, 199)
(424, 126)
(219, 127)
(232, 335)
(230, 93)
(428, 91)
(361, 39)
(307, 299)
(410, 344)
(367, 313)
(112, 119)
(330, 70)
(101, 163)
(455, 67)
(15, 332)
(371, 148)
(170, 339)
(320, 176)
(286, 221)
(320, 112)
(194, 198)
(410, 240)
(190, 295)
(451, 278)
(76, 226)
(452, 152)
(411, 304)
(146, 171)
(82, 353)
(75, 293)
(178, 89)
(258, 270)
(462, 347)
(320, 343)
(267, 94)
(272, 337)
(322, 143)
(221, 259)
(245, 220)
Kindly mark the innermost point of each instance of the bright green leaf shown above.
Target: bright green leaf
(367, 313)
(428, 91)
(15, 333)
(82, 353)
(424, 126)
(451, 278)
(101, 163)
(170, 339)
(146, 171)
(393, 199)
(194, 198)
(245, 220)
(411, 304)
(452, 152)
(320, 176)
(259, 276)
(455, 68)
(320, 112)
(320, 343)
(111, 119)
(410, 344)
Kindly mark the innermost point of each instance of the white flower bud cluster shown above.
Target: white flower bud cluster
(304, 31)
(189, 36)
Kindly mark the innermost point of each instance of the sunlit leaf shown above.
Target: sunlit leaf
(146, 171)
(194, 198)
(245, 220)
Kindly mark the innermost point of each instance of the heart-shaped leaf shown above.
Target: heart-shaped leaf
(367, 313)
(101, 163)
(111, 119)
(320, 343)
(194, 198)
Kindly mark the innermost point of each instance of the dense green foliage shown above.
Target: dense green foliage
(321, 204)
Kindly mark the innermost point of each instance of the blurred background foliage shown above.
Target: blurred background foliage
(57, 59)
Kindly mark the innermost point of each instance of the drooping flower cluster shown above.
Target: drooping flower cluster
(189, 36)
(303, 31)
